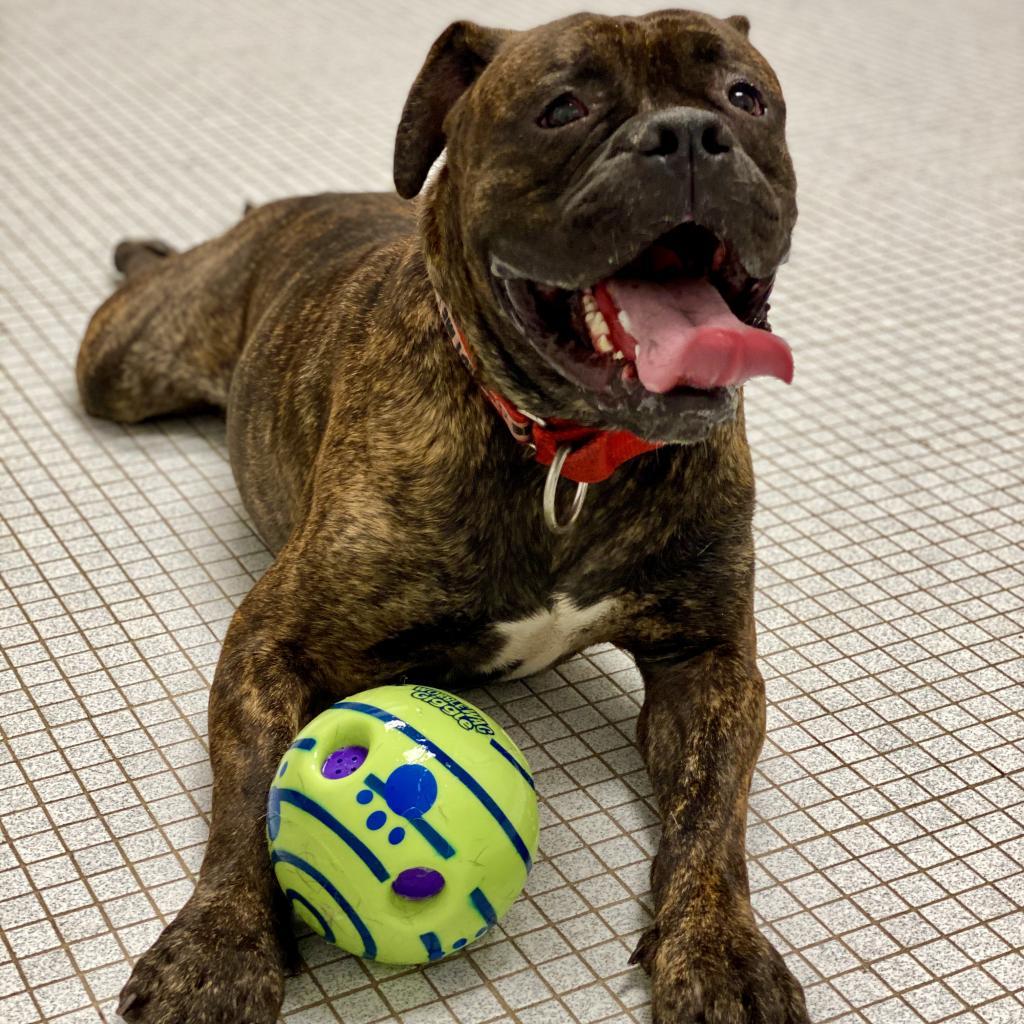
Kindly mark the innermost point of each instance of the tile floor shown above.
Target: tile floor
(887, 819)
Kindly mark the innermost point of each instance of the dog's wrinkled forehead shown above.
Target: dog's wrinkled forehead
(483, 86)
(650, 59)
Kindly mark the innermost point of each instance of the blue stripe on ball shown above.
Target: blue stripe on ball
(325, 928)
(286, 857)
(274, 813)
(483, 906)
(304, 803)
(432, 944)
(512, 761)
(438, 843)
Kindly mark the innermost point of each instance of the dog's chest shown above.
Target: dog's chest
(557, 628)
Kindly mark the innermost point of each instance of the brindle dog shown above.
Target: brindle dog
(407, 521)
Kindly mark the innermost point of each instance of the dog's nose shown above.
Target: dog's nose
(678, 130)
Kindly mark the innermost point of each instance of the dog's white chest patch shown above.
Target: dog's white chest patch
(547, 636)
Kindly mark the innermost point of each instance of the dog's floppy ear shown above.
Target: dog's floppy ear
(740, 23)
(455, 61)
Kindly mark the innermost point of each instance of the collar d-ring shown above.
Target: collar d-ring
(551, 493)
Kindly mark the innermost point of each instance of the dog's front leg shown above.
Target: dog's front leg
(700, 732)
(222, 960)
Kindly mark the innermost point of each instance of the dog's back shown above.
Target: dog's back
(247, 323)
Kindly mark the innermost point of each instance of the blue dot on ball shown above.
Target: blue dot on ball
(481, 931)
(376, 820)
(396, 835)
(284, 768)
(411, 790)
(458, 943)
(364, 796)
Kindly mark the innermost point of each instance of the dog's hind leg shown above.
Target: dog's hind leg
(132, 254)
(168, 339)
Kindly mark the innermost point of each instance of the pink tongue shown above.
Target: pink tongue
(682, 332)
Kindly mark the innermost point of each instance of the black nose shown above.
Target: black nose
(683, 130)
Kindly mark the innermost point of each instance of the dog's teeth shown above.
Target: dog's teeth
(589, 303)
(602, 344)
(618, 355)
(597, 323)
(626, 323)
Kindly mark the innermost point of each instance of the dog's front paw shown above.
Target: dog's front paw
(730, 975)
(207, 968)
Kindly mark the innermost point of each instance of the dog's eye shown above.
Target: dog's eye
(562, 111)
(748, 98)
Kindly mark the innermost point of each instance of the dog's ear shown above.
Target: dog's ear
(740, 23)
(454, 63)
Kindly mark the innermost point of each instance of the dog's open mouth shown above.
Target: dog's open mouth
(674, 329)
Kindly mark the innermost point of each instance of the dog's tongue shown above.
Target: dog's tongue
(681, 332)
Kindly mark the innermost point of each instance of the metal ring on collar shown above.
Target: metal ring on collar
(551, 492)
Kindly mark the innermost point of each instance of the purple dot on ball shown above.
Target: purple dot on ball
(342, 763)
(418, 883)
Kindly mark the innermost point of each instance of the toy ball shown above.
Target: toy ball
(402, 824)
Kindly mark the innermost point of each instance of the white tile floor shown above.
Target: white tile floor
(887, 822)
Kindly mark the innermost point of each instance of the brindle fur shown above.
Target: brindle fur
(406, 522)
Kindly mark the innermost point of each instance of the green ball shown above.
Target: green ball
(402, 824)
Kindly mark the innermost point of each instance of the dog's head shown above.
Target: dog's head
(616, 199)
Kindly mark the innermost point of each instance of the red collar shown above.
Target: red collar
(596, 453)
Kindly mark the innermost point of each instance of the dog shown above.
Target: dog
(418, 397)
